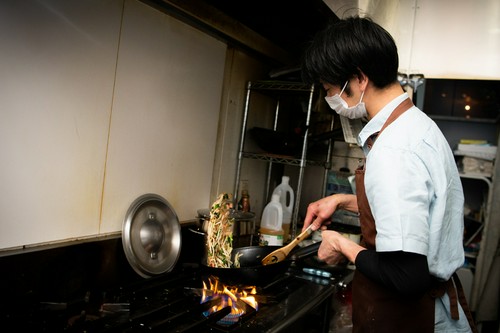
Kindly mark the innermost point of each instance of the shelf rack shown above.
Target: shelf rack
(281, 89)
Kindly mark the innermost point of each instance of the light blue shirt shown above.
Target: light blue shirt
(416, 197)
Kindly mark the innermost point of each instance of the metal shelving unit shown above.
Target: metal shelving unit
(281, 89)
(281, 159)
(483, 192)
(480, 188)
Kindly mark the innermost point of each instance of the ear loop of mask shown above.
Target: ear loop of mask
(362, 93)
(361, 98)
(343, 88)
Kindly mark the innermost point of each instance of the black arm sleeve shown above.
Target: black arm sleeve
(403, 272)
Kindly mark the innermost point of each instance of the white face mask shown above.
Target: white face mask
(340, 106)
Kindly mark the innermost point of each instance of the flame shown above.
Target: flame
(229, 297)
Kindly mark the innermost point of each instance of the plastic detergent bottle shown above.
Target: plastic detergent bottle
(271, 232)
(285, 192)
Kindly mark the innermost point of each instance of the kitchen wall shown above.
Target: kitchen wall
(449, 39)
(243, 68)
(101, 102)
(441, 39)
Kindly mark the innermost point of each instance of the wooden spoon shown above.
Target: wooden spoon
(281, 253)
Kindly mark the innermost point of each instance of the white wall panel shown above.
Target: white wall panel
(165, 115)
(450, 38)
(57, 67)
(439, 38)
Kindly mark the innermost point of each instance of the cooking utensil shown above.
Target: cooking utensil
(251, 270)
(281, 253)
(151, 235)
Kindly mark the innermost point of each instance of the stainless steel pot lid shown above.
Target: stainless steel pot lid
(151, 235)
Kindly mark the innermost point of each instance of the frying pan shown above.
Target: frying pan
(251, 270)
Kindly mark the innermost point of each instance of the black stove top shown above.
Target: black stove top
(63, 290)
(172, 303)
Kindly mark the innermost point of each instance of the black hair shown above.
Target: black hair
(346, 48)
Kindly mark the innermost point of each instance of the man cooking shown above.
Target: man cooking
(408, 192)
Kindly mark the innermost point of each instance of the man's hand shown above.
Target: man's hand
(319, 213)
(335, 248)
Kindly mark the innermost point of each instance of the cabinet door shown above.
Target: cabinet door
(438, 98)
(477, 99)
(465, 99)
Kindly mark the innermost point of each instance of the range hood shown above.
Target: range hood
(276, 29)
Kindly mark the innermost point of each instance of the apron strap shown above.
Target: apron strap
(453, 287)
(463, 302)
(452, 294)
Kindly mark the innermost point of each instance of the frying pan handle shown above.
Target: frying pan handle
(306, 251)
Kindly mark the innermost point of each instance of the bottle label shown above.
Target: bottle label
(271, 240)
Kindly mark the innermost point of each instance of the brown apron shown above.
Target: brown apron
(377, 309)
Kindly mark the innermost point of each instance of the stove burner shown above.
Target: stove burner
(171, 302)
(229, 321)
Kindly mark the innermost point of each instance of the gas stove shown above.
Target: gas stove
(172, 303)
(91, 288)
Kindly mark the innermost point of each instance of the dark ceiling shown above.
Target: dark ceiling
(288, 24)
